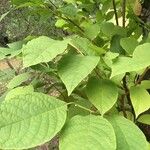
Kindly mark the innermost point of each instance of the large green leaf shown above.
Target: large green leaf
(129, 44)
(69, 10)
(17, 80)
(88, 133)
(18, 91)
(139, 61)
(84, 46)
(145, 84)
(30, 120)
(72, 69)
(129, 136)
(140, 99)
(42, 49)
(92, 31)
(145, 118)
(107, 28)
(102, 94)
(4, 52)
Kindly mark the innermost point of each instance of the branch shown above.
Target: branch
(142, 76)
(66, 19)
(123, 105)
(115, 11)
(127, 93)
(11, 66)
(123, 13)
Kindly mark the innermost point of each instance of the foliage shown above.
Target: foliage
(95, 76)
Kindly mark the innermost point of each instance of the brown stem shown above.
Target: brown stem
(11, 66)
(58, 90)
(142, 76)
(115, 12)
(123, 105)
(127, 93)
(123, 13)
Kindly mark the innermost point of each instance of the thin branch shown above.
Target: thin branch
(123, 13)
(84, 108)
(53, 4)
(115, 11)
(142, 76)
(11, 66)
(123, 105)
(58, 90)
(127, 93)
(66, 19)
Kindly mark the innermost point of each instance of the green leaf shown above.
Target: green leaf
(42, 49)
(75, 109)
(16, 45)
(145, 84)
(107, 29)
(129, 44)
(129, 136)
(17, 80)
(84, 46)
(73, 69)
(140, 99)
(139, 61)
(60, 23)
(109, 57)
(4, 52)
(30, 120)
(115, 46)
(102, 94)
(4, 15)
(69, 11)
(18, 2)
(88, 133)
(145, 118)
(18, 91)
(92, 31)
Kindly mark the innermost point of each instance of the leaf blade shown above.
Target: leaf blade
(128, 135)
(32, 118)
(82, 132)
(102, 93)
(42, 49)
(140, 99)
(73, 69)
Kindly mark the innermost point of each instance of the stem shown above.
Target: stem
(11, 66)
(127, 93)
(59, 91)
(142, 76)
(115, 11)
(53, 4)
(82, 107)
(66, 19)
(123, 105)
(123, 13)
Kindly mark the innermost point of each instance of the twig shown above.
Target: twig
(142, 76)
(11, 66)
(123, 13)
(53, 4)
(66, 19)
(123, 105)
(115, 11)
(127, 93)
(84, 108)
(58, 90)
